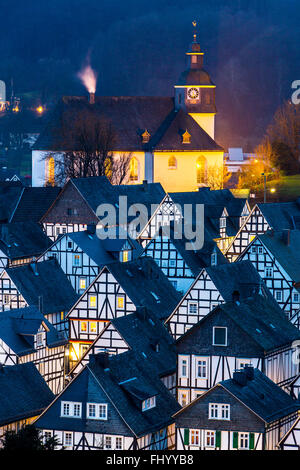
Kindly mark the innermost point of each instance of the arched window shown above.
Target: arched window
(172, 162)
(201, 170)
(51, 171)
(134, 169)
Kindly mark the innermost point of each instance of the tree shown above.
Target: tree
(92, 141)
(217, 177)
(27, 438)
(283, 159)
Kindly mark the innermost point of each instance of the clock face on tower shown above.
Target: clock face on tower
(193, 93)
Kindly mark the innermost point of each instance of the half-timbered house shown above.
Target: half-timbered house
(181, 265)
(276, 257)
(291, 440)
(26, 336)
(21, 242)
(43, 285)
(81, 255)
(213, 286)
(119, 289)
(23, 396)
(263, 217)
(246, 412)
(76, 205)
(113, 403)
(253, 331)
(143, 333)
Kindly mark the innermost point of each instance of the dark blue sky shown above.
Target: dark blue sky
(137, 48)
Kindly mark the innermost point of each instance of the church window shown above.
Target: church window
(50, 171)
(172, 162)
(186, 137)
(201, 170)
(133, 170)
(145, 137)
(194, 59)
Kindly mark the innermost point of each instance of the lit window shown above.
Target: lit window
(172, 162)
(76, 260)
(93, 327)
(82, 283)
(149, 403)
(51, 171)
(201, 170)
(186, 137)
(183, 399)
(193, 308)
(145, 137)
(194, 59)
(133, 170)
(269, 272)
(219, 411)
(201, 369)
(210, 438)
(219, 336)
(83, 327)
(92, 301)
(120, 301)
(195, 437)
(125, 256)
(67, 439)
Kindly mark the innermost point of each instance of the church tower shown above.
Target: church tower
(195, 92)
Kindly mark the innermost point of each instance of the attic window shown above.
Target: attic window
(145, 137)
(186, 137)
(213, 259)
(39, 339)
(149, 403)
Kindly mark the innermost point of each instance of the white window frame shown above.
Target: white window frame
(195, 435)
(82, 278)
(278, 292)
(218, 411)
(39, 339)
(269, 270)
(97, 411)
(71, 405)
(294, 297)
(244, 436)
(149, 403)
(210, 435)
(65, 439)
(106, 447)
(80, 326)
(193, 303)
(74, 264)
(89, 300)
(120, 438)
(214, 328)
(202, 366)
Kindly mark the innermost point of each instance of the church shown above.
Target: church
(170, 140)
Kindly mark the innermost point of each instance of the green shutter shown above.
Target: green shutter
(186, 439)
(235, 443)
(251, 440)
(218, 439)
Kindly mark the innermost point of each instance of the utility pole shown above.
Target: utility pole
(265, 187)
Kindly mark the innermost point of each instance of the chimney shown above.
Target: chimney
(240, 377)
(236, 297)
(34, 268)
(145, 184)
(286, 236)
(92, 98)
(141, 312)
(249, 371)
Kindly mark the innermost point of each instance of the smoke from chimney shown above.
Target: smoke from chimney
(88, 78)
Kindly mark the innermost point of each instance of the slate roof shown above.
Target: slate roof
(33, 203)
(263, 397)
(142, 331)
(125, 380)
(22, 239)
(130, 116)
(259, 318)
(18, 326)
(50, 285)
(288, 256)
(23, 393)
(282, 215)
(10, 193)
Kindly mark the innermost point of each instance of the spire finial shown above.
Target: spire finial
(194, 23)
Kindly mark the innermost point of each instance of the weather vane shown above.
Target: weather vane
(194, 23)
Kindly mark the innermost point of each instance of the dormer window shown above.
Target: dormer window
(186, 137)
(149, 403)
(96, 411)
(39, 339)
(213, 259)
(223, 222)
(145, 137)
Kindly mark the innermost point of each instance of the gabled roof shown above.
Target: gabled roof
(259, 318)
(18, 327)
(23, 393)
(44, 283)
(262, 396)
(282, 215)
(287, 255)
(22, 239)
(143, 332)
(130, 116)
(10, 193)
(33, 203)
(125, 380)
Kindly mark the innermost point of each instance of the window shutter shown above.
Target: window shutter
(218, 439)
(186, 440)
(235, 443)
(251, 440)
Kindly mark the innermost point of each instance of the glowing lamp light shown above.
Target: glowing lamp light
(16, 109)
(198, 165)
(40, 109)
(273, 190)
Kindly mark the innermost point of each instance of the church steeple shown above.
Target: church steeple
(195, 92)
